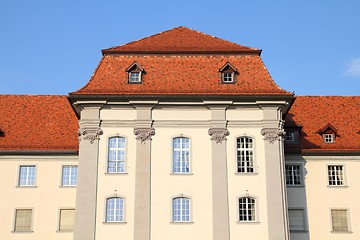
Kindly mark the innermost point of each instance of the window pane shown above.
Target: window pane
(296, 219)
(114, 210)
(69, 177)
(339, 220)
(181, 155)
(181, 209)
(336, 175)
(245, 155)
(23, 218)
(293, 175)
(27, 176)
(246, 209)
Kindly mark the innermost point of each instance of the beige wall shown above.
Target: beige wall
(46, 198)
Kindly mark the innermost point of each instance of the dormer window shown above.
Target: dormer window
(328, 133)
(228, 73)
(135, 72)
(290, 136)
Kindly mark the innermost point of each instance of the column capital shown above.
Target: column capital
(218, 134)
(144, 133)
(272, 134)
(90, 134)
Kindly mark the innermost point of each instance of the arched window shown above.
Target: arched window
(115, 209)
(117, 155)
(246, 209)
(181, 209)
(245, 155)
(181, 155)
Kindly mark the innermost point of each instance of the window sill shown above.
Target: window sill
(114, 174)
(249, 222)
(246, 174)
(341, 232)
(25, 232)
(295, 186)
(182, 222)
(115, 223)
(68, 186)
(337, 186)
(182, 174)
(26, 186)
(65, 231)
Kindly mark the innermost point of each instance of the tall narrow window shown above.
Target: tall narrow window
(23, 219)
(181, 155)
(336, 175)
(339, 219)
(181, 209)
(246, 209)
(27, 176)
(115, 209)
(117, 155)
(245, 155)
(297, 219)
(69, 175)
(67, 218)
(293, 175)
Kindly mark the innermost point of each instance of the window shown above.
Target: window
(27, 176)
(339, 220)
(181, 155)
(181, 209)
(228, 77)
(228, 72)
(297, 219)
(117, 155)
(290, 136)
(67, 219)
(23, 220)
(336, 175)
(115, 209)
(135, 77)
(246, 209)
(293, 175)
(245, 155)
(329, 138)
(69, 176)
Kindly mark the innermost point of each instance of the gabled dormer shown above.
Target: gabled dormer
(328, 133)
(228, 73)
(135, 72)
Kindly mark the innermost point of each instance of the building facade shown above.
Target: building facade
(180, 135)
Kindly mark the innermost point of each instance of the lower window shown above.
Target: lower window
(181, 209)
(297, 219)
(246, 209)
(67, 220)
(339, 220)
(23, 220)
(115, 209)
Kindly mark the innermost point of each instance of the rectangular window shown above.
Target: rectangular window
(23, 219)
(336, 175)
(293, 175)
(69, 175)
(135, 77)
(297, 219)
(181, 155)
(228, 77)
(117, 155)
(290, 136)
(245, 155)
(328, 138)
(246, 209)
(27, 176)
(181, 209)
(67, 220)
(339, 219)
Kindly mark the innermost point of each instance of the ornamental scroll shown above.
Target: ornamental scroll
(272, 134)
(144, 133)
(218, 134)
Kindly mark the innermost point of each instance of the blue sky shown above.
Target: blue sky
(53, 47)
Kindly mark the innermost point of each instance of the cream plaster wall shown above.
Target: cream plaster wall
(320, 198)
(46, 198)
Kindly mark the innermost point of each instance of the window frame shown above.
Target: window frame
(254, 167)
(255, 204)
(15, 221)
(348, 222)
(123, 219)
(125, 149)
(139, 76)
(181, 150)
(329, 138)
(301, 174)
(181, 196)
(60, 218)
(232, 77)
(344, 182)
(18, 184)
(70, 175)
(304, 219)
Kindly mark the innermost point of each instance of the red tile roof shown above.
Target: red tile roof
(314, 113)
(181, 40)
(37, 123)
(182, 75)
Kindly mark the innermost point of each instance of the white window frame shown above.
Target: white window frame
(329, 137)
(248, 165)
(182, 218)
(117, 151)
(294, 175)
(120, 206)
(303, 219)
(249, 206)
(228, 77)
(69, 182)
(185, 166)
(137, 79)
(347, 220)
(28, 182)
(15, 220)
(338, 180)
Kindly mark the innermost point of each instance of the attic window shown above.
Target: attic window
(328, 133)
(228, 73)
(329, 138)
(135, 72)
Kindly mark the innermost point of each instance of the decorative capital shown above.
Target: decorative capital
(144, 133)
(272, 134)
(90, 134)
(218, 134)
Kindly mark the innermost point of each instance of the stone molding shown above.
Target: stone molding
(272, 134)
(218, 134)
(90, 134)
(144, 133)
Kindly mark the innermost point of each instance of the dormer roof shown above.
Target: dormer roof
(326, 128)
